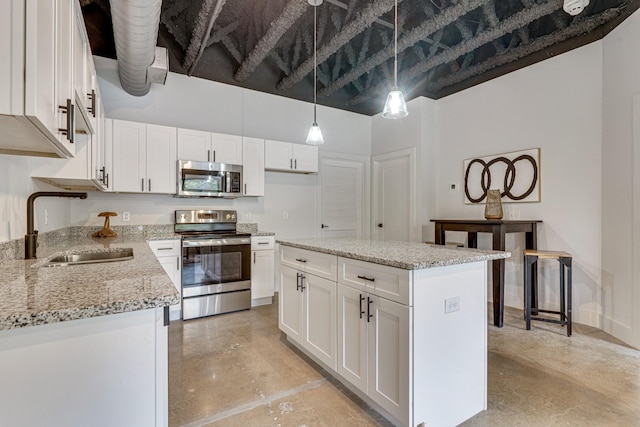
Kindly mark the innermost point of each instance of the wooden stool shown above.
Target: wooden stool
(531, 257)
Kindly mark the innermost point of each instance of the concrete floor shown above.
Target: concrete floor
(235, 370)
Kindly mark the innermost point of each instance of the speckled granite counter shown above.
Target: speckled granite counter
(31, 294)
(407, 255)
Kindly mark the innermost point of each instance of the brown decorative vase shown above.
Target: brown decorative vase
(493, 207)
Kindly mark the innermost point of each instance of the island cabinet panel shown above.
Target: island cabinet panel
(103, 371)
(316, 263)
(352, 336)
(381, 280)
(290, 303)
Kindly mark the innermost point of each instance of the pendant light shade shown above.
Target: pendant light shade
(395, 107)
(315, 134)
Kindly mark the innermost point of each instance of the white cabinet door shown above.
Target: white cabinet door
(129, 156)
(253, 166)
(226, 148)
(319, 332)
(161, 159)
(305, 158)
(48, 69)
(278, 155)
(107, 175)
(352, 336)
(194, 145)
(389, 340)
(262, 274)
(290, 303)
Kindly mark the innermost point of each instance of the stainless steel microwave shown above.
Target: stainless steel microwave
(208, 179)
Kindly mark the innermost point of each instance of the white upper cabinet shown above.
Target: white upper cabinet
(144, 158)
(253, 166)
(284, 156)
(33, 42)
(204, 146)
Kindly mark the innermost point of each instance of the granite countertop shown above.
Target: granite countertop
(31, 294)
(406, 255)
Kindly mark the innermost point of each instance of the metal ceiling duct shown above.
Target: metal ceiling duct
(135, 30)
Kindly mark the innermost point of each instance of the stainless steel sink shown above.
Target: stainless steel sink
(91, 257)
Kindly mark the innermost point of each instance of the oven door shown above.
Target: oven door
(211, 266)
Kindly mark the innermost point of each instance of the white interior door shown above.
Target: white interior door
(343, 190)
(394, 196)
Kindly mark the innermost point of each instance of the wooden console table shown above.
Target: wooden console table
(498, 228)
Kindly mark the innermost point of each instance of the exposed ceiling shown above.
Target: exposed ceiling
(444, 46)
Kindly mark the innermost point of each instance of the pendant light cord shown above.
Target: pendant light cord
(395, 49)
(315, 61)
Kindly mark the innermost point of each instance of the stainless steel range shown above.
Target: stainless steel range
(216, 263)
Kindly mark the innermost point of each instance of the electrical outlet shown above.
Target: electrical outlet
(247, 216)
(451, 304)
(285, 215)
(454, 186)
(126, 216)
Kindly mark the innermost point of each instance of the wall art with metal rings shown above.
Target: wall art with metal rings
(516, 175)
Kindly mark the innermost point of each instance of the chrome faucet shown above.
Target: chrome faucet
(31, 238)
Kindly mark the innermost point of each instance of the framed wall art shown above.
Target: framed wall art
(515, 174)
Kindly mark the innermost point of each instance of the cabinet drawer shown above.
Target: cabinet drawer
(316, 263)
(387, 282)
(165, 247)
(260, 243)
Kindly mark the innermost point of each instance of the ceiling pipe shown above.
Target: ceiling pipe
(135, 30)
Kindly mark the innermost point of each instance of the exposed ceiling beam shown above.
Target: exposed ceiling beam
(291, 13)
(209, 12)
(444, 18)
(346, 34)
(588, 24)
(518, 20)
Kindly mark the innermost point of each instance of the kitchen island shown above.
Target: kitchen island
(403, 325)
(85, 344)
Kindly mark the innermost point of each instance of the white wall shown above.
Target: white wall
(15, 186)
(194, 103)
(620, 181)
(539, 106)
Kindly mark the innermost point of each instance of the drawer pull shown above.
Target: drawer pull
(370, 279)
(263, 243)
(165, 249)
(301, 260)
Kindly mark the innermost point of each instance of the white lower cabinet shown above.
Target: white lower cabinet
(262, 270)
(308, 312)
(168, 253)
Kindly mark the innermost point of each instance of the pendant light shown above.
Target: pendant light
(315, 134)
(395, 107)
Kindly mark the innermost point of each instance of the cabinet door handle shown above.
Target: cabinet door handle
(142, 184)
(302, 277)
(245, 189)
(214, 155)
(149, 184)
(370, 279)
(69, 111)
(301, 260)
(298, 275)
(295, 164)
(102, 174)
(290, 163)
(178, 263)
(107, 179)
(208, 155)
(254, 257)
(92, 97)
(369, 315)
(361, 310)
(324, 226)
(263, 243)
